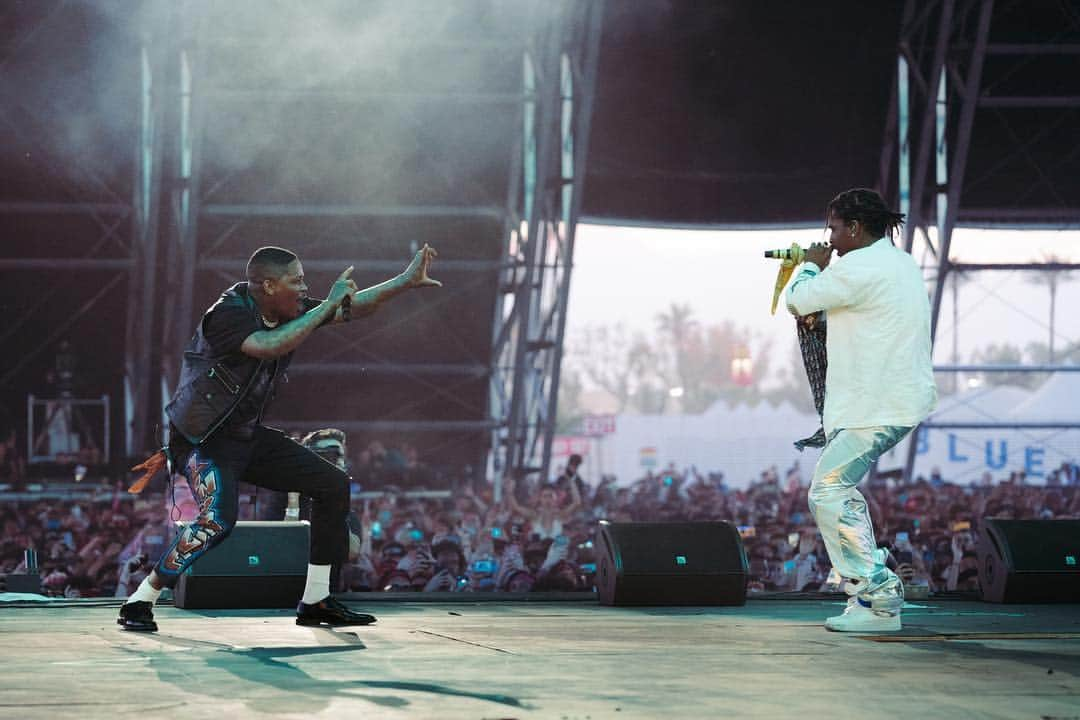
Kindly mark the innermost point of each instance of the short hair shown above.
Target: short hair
(268, 263)
(868, 207)
(575, 459)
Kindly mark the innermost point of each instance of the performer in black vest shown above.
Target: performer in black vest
(242, 345)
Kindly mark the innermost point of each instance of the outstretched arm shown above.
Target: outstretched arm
(368, 300)
(282, 340)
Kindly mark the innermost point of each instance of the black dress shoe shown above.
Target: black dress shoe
(330, 611)
(137, 616)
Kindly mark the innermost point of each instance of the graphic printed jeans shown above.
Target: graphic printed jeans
(271, 460)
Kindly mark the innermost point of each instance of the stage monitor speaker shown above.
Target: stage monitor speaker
(21, 583)
(1029, 561)
(261, 564)
(671, 563)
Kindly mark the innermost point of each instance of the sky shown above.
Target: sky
(629, 274)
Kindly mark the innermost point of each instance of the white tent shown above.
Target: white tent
(1058, 400)
(993, 403)
(740, 441)
(965, 454)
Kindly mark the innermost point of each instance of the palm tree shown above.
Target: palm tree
(678, 327)
(1051, 279)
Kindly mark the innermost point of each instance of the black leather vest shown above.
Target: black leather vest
(212, 386)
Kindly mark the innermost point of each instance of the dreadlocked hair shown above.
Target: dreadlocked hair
(867, 207)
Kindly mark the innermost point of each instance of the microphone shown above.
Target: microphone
(346, 308)
(794, 253)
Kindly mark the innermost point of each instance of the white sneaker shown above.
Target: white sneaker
(858, 617)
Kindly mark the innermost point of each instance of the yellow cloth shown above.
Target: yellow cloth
(787, 267)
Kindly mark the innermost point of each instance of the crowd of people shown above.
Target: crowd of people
(82, 548)
(541, 536)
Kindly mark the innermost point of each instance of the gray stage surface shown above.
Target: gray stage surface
(566, 660)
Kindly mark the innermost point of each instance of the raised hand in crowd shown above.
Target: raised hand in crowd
(442, 581)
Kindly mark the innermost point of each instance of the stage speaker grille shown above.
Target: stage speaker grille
(1029, 561)
(261, 564)
(671, 563)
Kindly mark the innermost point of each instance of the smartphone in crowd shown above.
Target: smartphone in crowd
(484, 567)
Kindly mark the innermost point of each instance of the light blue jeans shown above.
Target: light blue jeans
(840, 509)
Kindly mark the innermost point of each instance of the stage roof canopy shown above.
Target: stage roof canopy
(758, 113)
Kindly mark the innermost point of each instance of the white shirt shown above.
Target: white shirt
(880, 370)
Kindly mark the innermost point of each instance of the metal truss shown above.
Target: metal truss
(126, 226)
(940, 86)
(543, 204)
(169, 206)
(139, 373)
(163, 225)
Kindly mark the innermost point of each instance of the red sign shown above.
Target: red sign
(567, 445)
(594, 425)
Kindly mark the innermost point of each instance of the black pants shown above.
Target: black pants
(271, 460)
(271, 505)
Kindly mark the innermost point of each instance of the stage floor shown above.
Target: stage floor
(569, 660)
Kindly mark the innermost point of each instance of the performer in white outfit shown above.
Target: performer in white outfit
(879, 385)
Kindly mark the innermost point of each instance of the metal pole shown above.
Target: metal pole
(963, 144)
(498, 459)
(191, 119)
(903, 168)
(591, 52)
(29, 426)
(108, 426)
(1007, 368)
(150, 191)
(969, 102)
(955, 328)
(527, 301)
(926, 135)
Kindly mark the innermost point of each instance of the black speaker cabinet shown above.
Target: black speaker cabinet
(671, 563)
(22, 583)
(1029, 561)
(261, 564)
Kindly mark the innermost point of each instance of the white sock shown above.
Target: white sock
(318, 584)
(145, 592)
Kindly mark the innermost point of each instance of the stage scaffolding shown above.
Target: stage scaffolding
(175, 224)
(955, 81)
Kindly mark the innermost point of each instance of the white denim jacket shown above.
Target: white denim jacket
(880, 370)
